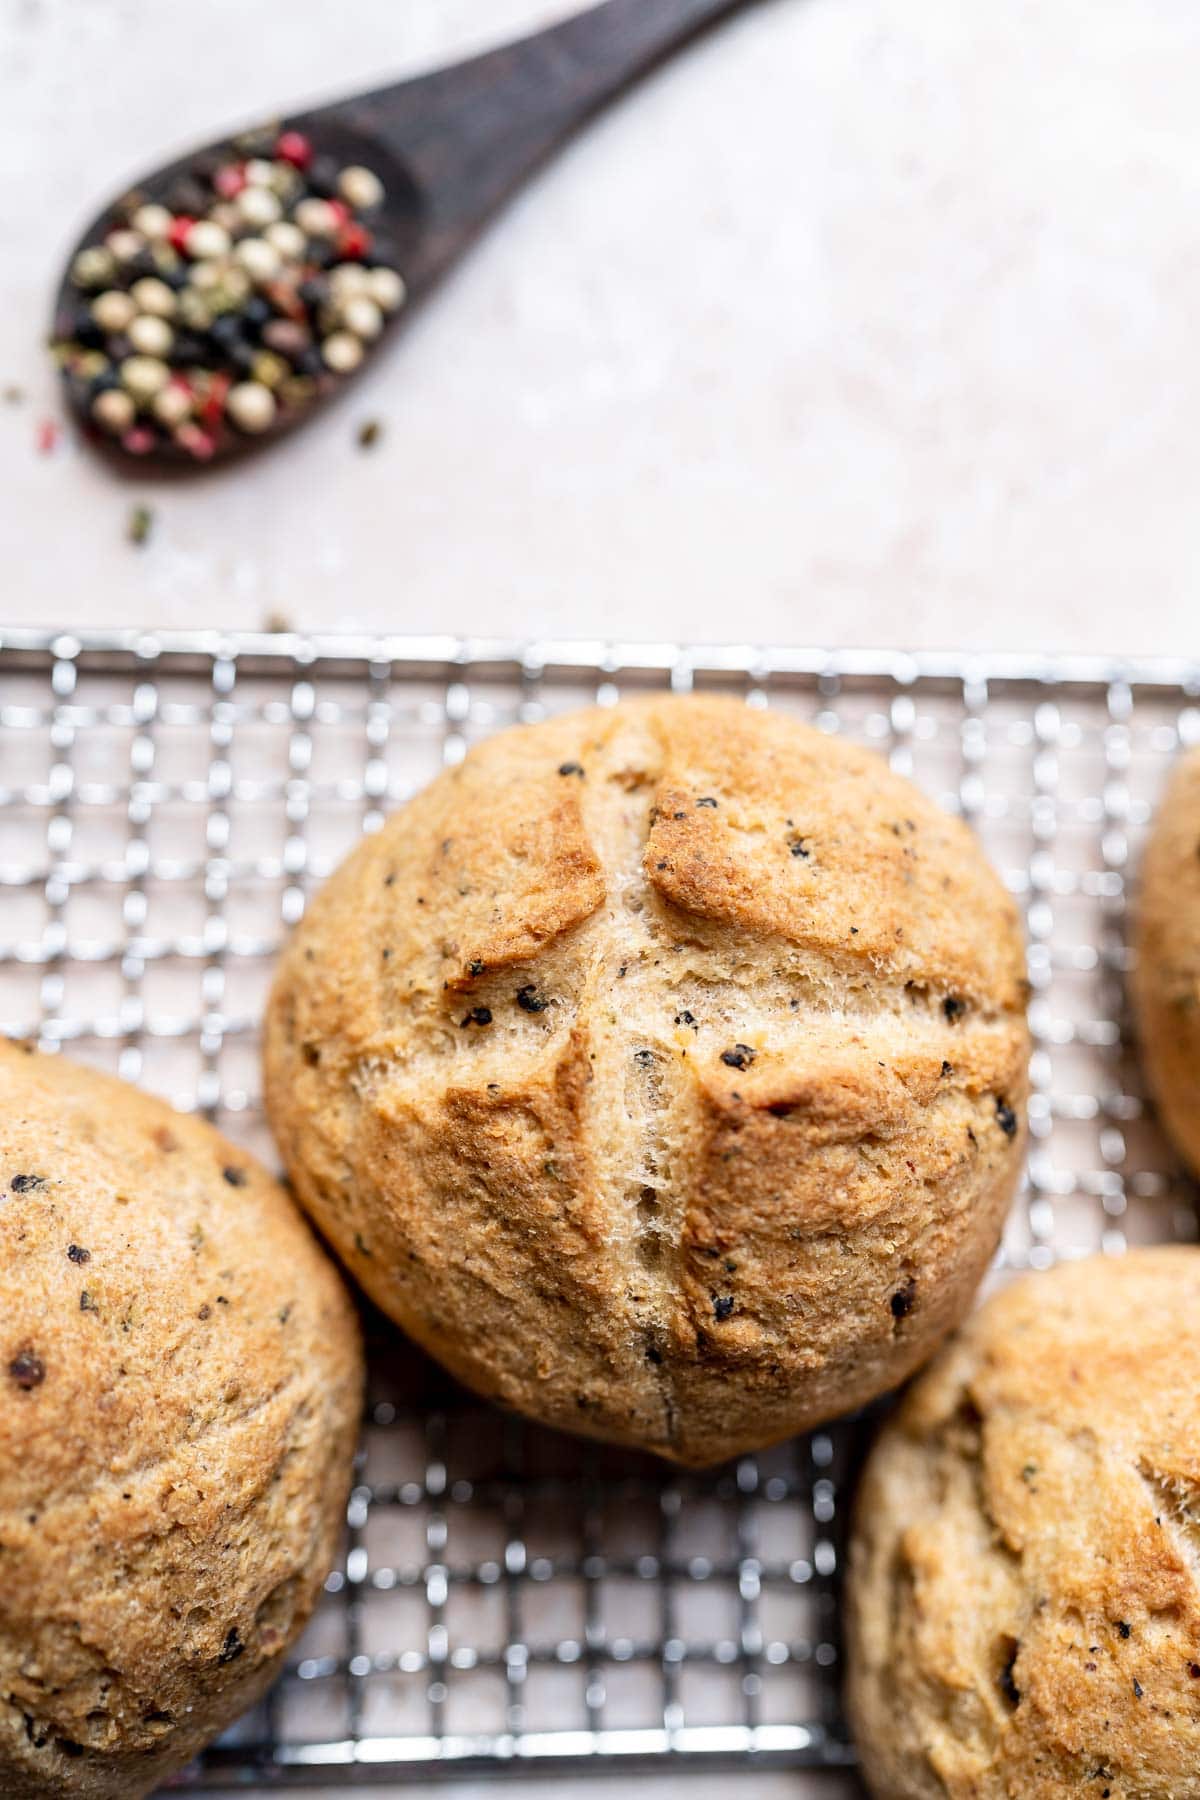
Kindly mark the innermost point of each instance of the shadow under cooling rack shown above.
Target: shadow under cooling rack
(508, 1598)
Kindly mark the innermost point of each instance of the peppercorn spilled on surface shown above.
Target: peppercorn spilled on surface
(661, 1069)
(1024, 1587)
(180, 1380)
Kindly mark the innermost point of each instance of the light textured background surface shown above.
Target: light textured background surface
(868, 320)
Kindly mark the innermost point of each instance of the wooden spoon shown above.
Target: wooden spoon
(449, 148)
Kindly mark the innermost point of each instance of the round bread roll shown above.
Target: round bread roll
(1024, 1586)
(1166, 976)
(180, 1383)
(660, 1069)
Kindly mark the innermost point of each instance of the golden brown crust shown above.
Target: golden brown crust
(1023, 1601)
(1166, 977)
(724, 1146)
(180, 1381)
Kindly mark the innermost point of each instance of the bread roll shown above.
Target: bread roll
(661, 1070)
(1166, 978)
(180, 1381)
(1024, 1587)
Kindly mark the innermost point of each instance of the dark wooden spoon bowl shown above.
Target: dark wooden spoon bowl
(450, 147)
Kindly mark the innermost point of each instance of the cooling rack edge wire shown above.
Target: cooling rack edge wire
(507, 1600)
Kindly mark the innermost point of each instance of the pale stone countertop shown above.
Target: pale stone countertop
(866, 322)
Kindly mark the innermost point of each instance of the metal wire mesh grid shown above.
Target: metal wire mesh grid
(508, 1598)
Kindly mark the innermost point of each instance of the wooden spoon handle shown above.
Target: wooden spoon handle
(469, 134)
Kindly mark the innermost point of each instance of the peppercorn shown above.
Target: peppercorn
(143, 266)
(226, 331)
(113, 410)
(88, 331)
(286, 338)
(740, 1057)
(386, 289)
(258, 207)
(125, 245)
(206, 239)
(361, 188)
(321, 176)
(153, 295)
(153, 221)
(1006, 1118)
(151, 336)
(251, 406)
(142, 376)
(361, 316)
(353, 240)
(256, 312)
(342, 352)
(293, 147)
(28, 1370)
(114, 310)
(93, 267)
(317, 218)
(260, 260)
(173, 404)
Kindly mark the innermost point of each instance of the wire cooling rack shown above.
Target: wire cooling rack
(508, 1598)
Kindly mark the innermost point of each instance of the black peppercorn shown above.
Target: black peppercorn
(226, 331)
(85, 331)
(27, 1370)
(314, 293)
(322, 177)
(1006, 1118)
(256, 312)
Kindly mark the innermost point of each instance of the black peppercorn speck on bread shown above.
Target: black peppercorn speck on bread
(180, 1389)
(1166, 979)
(1023, 1602)
(661, 1070)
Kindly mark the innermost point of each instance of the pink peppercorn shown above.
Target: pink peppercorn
(197, 443)
(180, 228)
(229, 180)
(139, 441)
(353, 242)
(293, 147)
